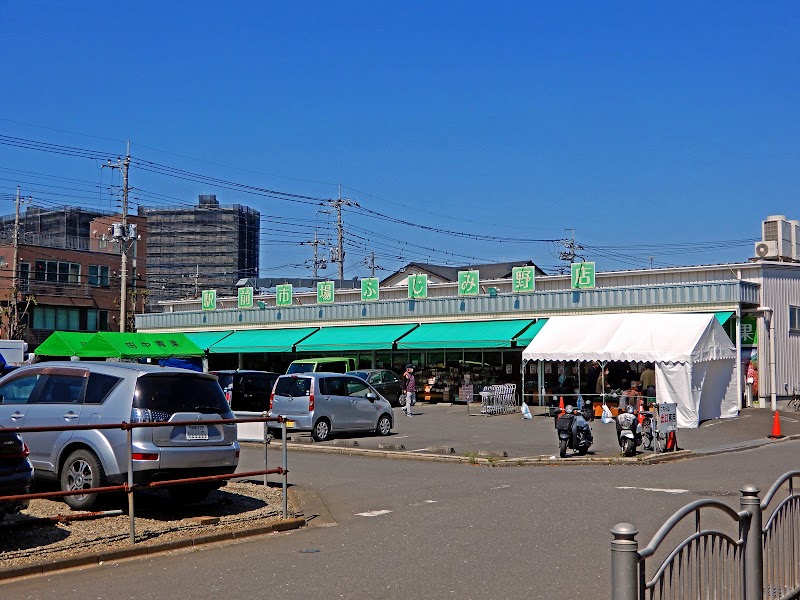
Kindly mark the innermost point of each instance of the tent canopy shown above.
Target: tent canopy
(354, 337)
(206, 339)
(63, 343)
(262, 340)
(469, 334)
(109, 344)
(652, 337)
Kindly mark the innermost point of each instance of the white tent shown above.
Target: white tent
(693, 356)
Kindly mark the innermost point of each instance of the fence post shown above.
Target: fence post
(753, 547)
(131, 516)
(266, 445)
(624, 562)
(285, 472)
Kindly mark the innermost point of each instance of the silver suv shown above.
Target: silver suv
(72, 393)
(325, 403)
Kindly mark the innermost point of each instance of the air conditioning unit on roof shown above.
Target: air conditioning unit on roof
(766, 250)
(777, 230)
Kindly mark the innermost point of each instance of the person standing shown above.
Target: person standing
(648, 377)
(410, 388)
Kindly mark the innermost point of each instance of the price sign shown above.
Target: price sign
(667, 417)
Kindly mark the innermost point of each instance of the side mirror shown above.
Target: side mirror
(371, 396)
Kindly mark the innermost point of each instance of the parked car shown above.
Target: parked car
(384, 381)
(64, 393)
(330, 364)
(16, 472)
(326, 403)
(247, 390)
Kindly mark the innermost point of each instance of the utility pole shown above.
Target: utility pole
(338, 255)
(196, 277)
(569, 254)
(319, 263)
(370, 262)
(12, 313)
(123, 234)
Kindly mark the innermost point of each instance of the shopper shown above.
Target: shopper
(410, 387)
(648, 376)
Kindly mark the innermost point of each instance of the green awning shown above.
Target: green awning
(526, 337)
(723, 316)
(354, 337)
(109, 344)
(206, 339)
(262, 340)
(471, 334)
(63, 343)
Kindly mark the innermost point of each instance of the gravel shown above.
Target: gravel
(26, 539)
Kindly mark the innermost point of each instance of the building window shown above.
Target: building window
(39, 267)
(98, 275)
(24, 274)
(66, 318)
(794, 318)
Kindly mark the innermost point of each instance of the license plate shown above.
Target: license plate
(289, 423)
(197, 432)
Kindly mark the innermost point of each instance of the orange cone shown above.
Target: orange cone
(561, 404)
(672, 442)
(641, 413)
(776, 427)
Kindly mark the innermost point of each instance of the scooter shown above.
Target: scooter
(574, 433)
(629, 433)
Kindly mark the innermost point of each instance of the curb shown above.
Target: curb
(147, 549)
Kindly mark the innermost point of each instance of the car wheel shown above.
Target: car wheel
(321, 431)
(187, 494)
(384, 426)
(81, 470)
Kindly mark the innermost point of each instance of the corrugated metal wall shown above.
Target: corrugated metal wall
(780, 290)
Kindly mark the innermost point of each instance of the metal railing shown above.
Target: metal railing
(129, 487)
(760, 562)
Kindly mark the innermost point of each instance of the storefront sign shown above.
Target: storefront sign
(209, 299)
(418, 286)
(325, 292)
(749, 331)
(245, 297)
(283, 295)
(369, 289)
(582, 275)
(524, 279)
(468, 283)
(667, 417)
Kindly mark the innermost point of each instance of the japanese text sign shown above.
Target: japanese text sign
(369, 289)
(245, 297)
(468, 283)
(667, 417)
(283, 295)
(325, 292)
(418, 286)
(582, 275)
(523, 279)
(749, 331)
(209, 299)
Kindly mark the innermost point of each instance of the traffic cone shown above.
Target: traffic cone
(672, 442)
(561, 404)
(641, 413)
(776, 427)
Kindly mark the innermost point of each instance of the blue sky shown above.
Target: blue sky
(651, 128)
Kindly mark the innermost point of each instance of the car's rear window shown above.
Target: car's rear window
(225, 379)
(99, 387)
(300, 368)
(360, 374)
(178, 393)
(293, 386)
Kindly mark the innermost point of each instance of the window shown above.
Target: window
(24, 274)
(74, 273)
(39, 268)
(794, 318)
(19, 390)
(99, 387)
(51, 271)
(98, 275)
(62, 389)
(57, 317)
(356, 387)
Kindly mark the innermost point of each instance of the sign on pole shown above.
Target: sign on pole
(245, 297)
(370, 289)
(523, 279)
(418, 286)
(325, 292)
(667, 417)
(468, 283)
(283, 295)
(582, 275)
(209, 299)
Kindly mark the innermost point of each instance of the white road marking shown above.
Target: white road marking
(501, 487)
(373, 513)
(647, 489)
(790, 419)
(431, 501)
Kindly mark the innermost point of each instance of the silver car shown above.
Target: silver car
(88, 393)
(326, 403)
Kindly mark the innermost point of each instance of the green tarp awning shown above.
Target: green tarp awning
(109, 344)
(354, 337)
(526, 337)
(471, 334)
(723, 316)
(63, 343)
(262, 340)
(206, 339)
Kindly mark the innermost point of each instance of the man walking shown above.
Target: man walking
(410, 387)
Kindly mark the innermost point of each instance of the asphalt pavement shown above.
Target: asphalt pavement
(462, 430)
